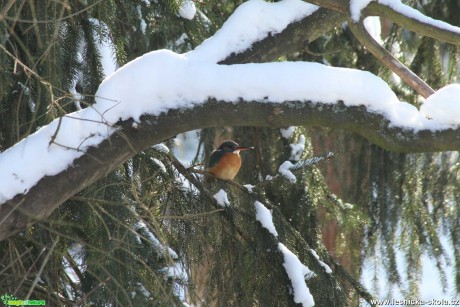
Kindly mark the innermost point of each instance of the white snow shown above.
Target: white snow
(264, 216)
(143, 290)
(187, 10)
(297, 148)
(249, 187)
(284, 170)
(161, 148)
(142, 227)
(373, 26)
(186, 146)
(173, 86)
(287, 132)
(355, 8)
(162, 80)
(19, 167)
(444, 105)
(181, 40)
(180, 277)
(297, 273)
(222, 198)
(326, 268)
(250, 22)
(142, 23)
(160, 165)
(76, 252)
(410, 12)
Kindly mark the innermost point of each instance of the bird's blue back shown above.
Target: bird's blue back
(216, 156)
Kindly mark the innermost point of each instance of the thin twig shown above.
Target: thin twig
(189, 216)
(410, 78)
(356, 285)
(320, 54)
(54, 136)
(50, 20)
(6, 8)
(208, 174)
(42, 267)
(188, 175)
(17, 206)
(101, 284)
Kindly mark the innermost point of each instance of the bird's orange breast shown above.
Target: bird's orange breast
(227, 167)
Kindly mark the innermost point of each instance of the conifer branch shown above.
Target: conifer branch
(356, 285)
(189, 216)
(42, 199)
(34, 21)
(208, 174)
(311, 161)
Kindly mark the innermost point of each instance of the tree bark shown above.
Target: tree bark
(375, 8)
(51, 191)
(294, 38)
(40, 201)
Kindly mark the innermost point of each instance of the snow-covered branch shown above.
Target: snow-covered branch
(397, 12)
(162, 94)
(410, 78)
(293, 38)
(41, 199)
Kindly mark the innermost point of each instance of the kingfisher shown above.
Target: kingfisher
(225, 161)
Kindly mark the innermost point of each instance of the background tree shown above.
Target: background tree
(111, 243)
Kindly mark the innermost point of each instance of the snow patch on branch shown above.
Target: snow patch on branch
(410, 12)
(162, 80)
(297, 148)
(250, 22)
(297, 273)
(285, 170)
(249, 187)
(187, 10)
(287, 132)
(326, 268)
(142, 228)
(264, 216)
(356, 6)
(444, 105)
(160, 165)
(161, 148)
(222, 198)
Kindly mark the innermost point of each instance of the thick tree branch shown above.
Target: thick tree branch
(42, 199)
(51, 191)
(414, 81)
(414, 25)
(377, 9)
(294, 38)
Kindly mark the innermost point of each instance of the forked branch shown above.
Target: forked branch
(381, 54)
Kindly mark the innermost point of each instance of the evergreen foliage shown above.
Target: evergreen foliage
(151, 232)
(398, 192)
